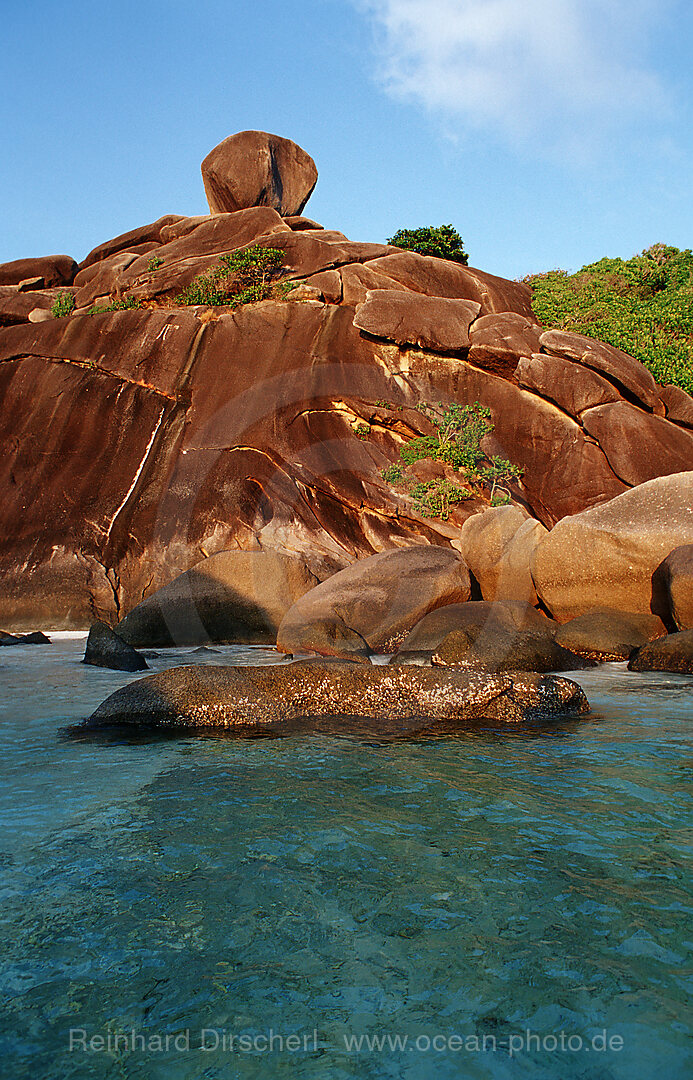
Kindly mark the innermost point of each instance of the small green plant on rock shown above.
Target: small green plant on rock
(128, 303)
(362, 431)
(441, 241)
(63, 305)
(435, 497)
(240, 278)
(459, 431)
(154, 263)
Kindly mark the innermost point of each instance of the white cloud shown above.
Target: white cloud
(562, 71)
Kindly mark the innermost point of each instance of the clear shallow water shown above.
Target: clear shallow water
(441, 892)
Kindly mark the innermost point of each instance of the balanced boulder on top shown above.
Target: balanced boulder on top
(254, 168)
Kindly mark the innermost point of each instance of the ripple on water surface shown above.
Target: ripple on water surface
(451, 890)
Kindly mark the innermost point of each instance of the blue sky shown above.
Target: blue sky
(549, 132)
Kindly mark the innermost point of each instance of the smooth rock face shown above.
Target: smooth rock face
(673, 587)
(637, 444)
(671, 653)
(572, 386)
(498, 545)
(679, 405)
(53, 269)
(477, 617)
(606, 556)
(430, 322)
(107, 649)
(501, 650)
(608, 635)
(371, 606)
(127, 241)
(254, 168)
(498, 341)
(234, 596)
(618, 367)
(335, 697)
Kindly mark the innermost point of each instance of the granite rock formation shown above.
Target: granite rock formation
(137, 443)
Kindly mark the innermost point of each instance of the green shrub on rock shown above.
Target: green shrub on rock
(459, 430)
(240, 278)
(63, 305)
(441, 241)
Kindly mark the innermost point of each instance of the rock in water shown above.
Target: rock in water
(504, 649)
(254, 168)
(608, 635)
(334, 697)
(106, 649)
(671, 653)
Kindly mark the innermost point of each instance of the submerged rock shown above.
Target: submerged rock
(106, 649)
(671, 653)
(338, 697)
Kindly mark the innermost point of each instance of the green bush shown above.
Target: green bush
(459, 430)
(240, 278)
(642, 305)
(441, 241)
(154, 263)
(435, 497)
(64, 304)
(128, 303)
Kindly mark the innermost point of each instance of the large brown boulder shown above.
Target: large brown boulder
(606, 556)
(234, 596)
(624, 371)
(498, 341)
(52, 269)
(608, 635)
(340, 698)
(431, 322)
(679, 405)
(498, 545)
(441, 277)
(673, 588)
(254, 168)
(638, 444)
(671, 653)
(372, 605)
(501, 650)
(477, 617)
(571, 386)
(128, 241)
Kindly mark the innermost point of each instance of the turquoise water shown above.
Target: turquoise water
(464, 901)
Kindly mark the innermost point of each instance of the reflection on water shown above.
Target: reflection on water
(480, 886)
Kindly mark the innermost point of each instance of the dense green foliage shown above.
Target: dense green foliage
(64, 304)
(442, 241)
(435, 497)
(642, 305)
(459, 430)
(240, 278)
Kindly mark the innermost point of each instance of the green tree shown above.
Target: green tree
(441, 241)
